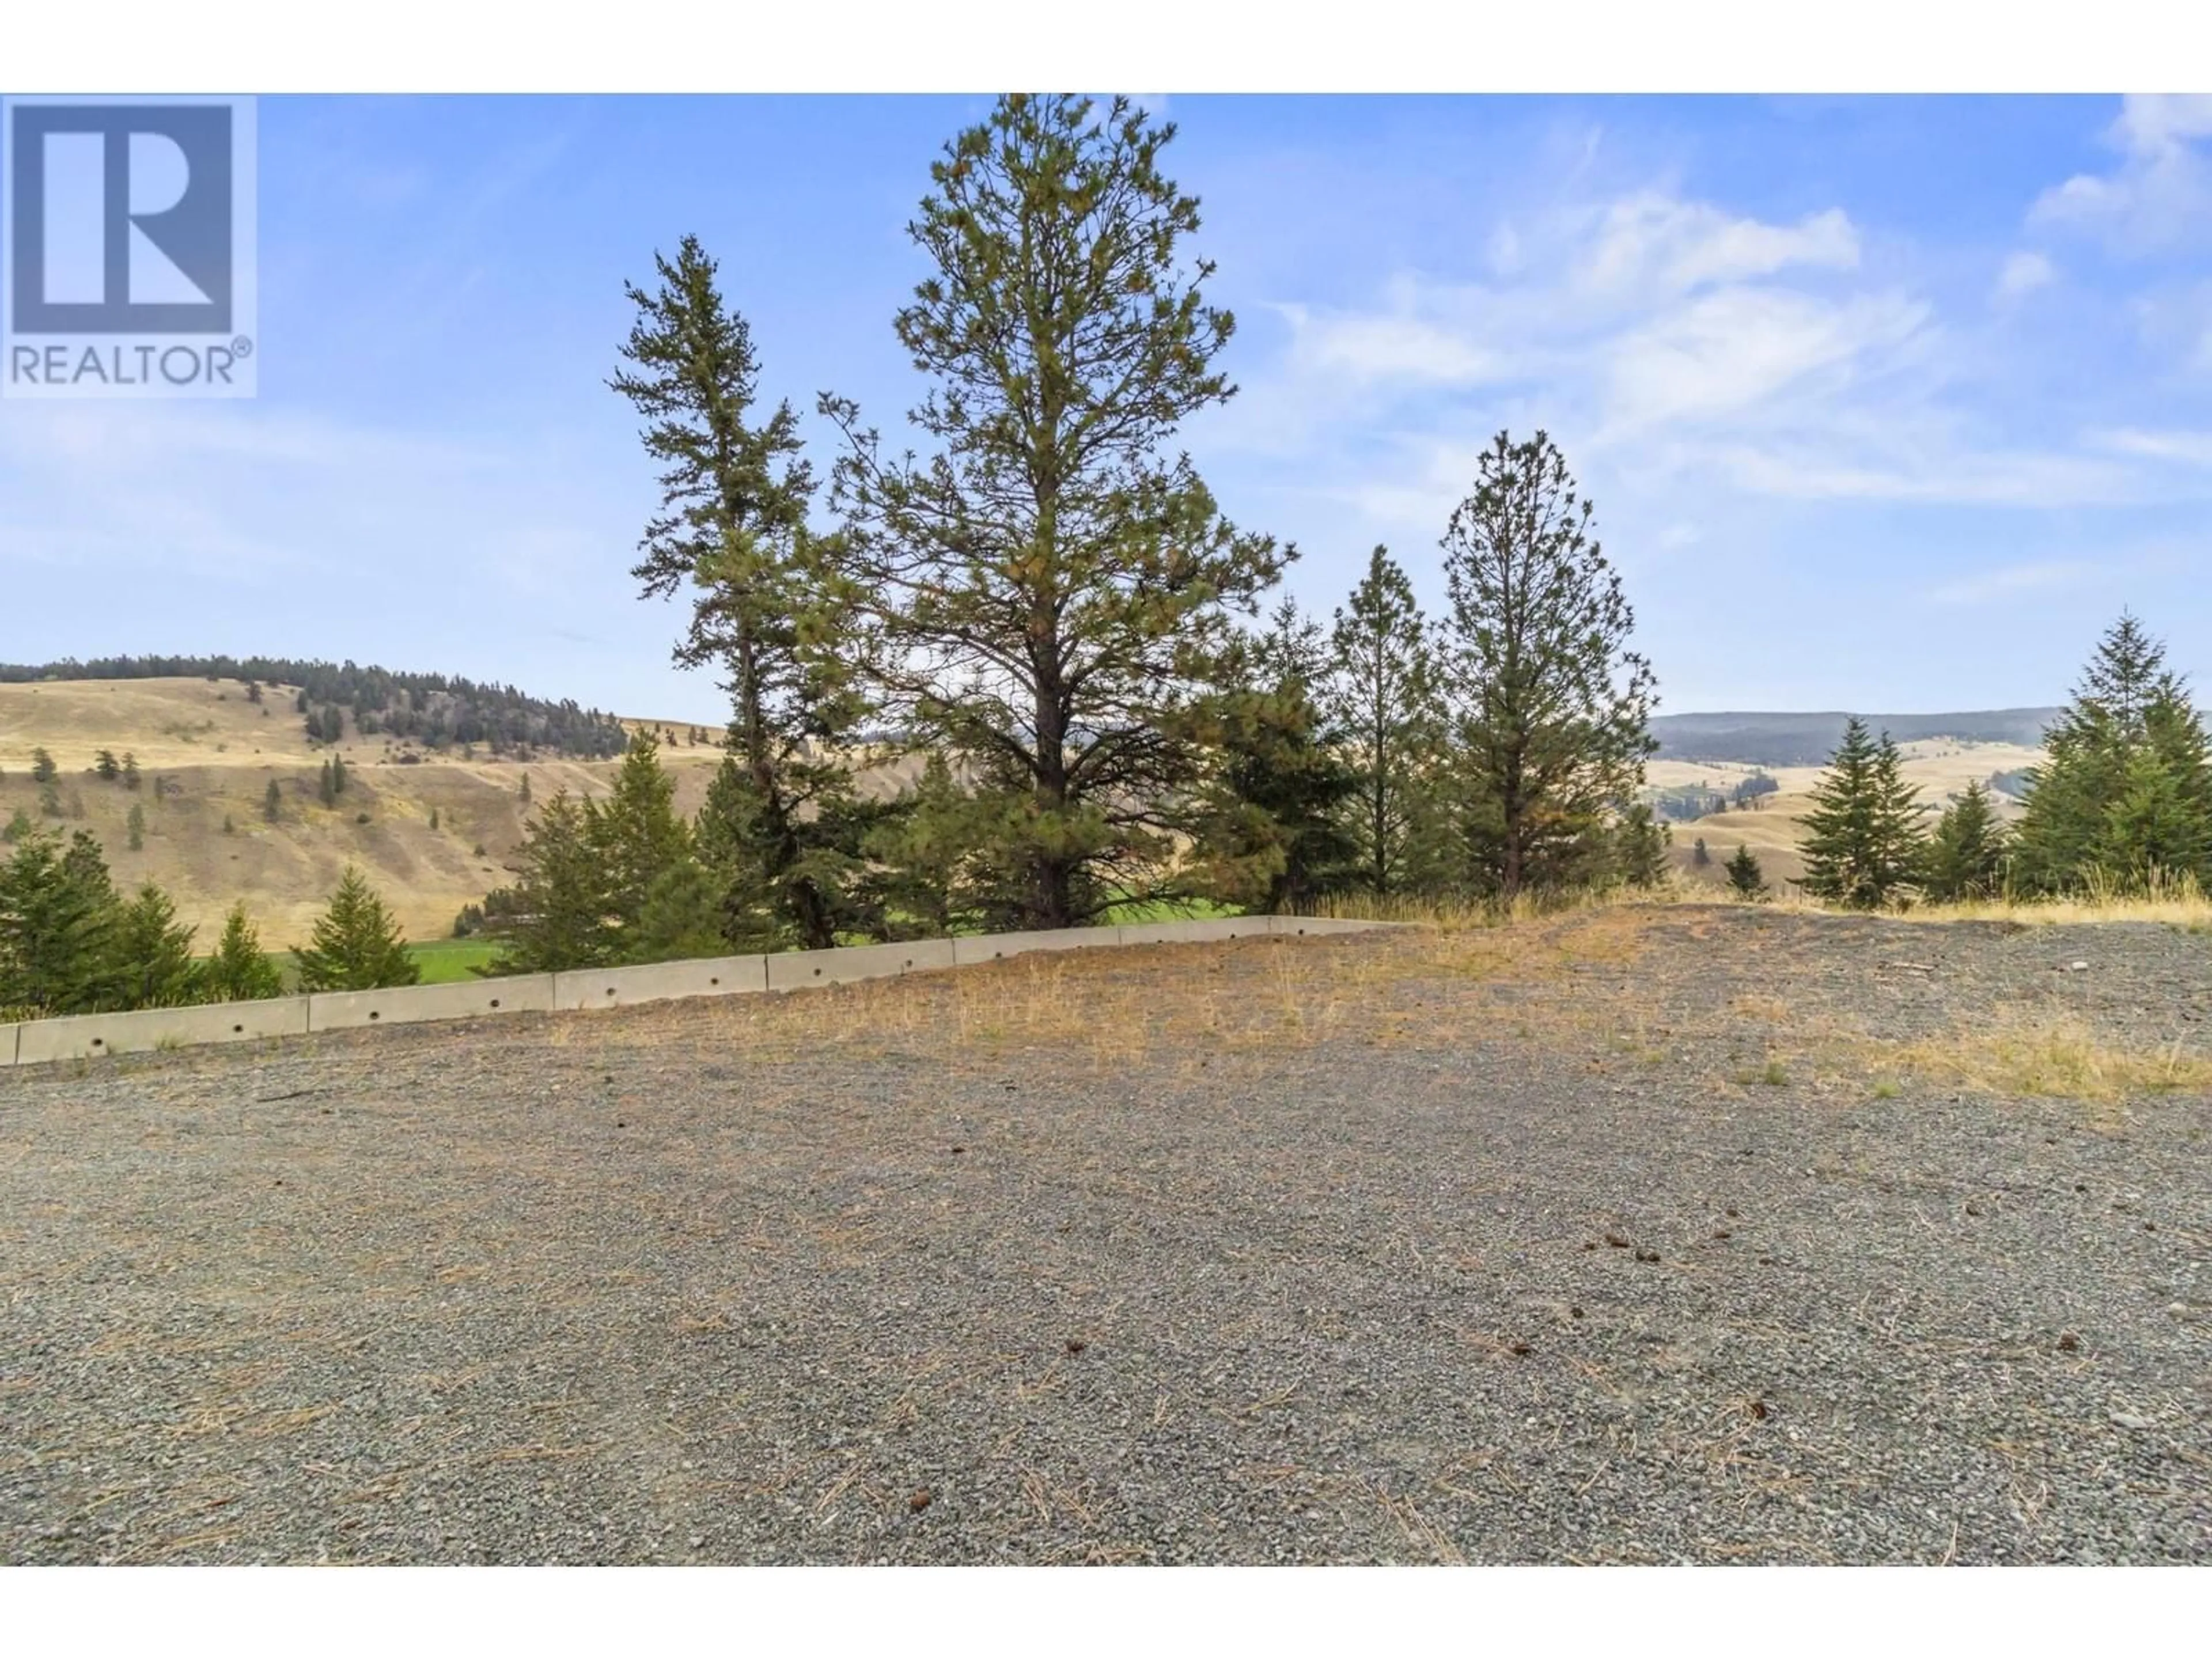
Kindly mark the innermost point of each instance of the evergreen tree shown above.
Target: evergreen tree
(1698, 856)
(338, 777)
(1550, 706)
(272, 802)
(523, 793)
(1636, 842)
(2126, 790)
(135, 826)
(154, 953)
(326, 789)
(1967, 855)
(1045, 596)
(1383, 696)
(50, 800)
(130, 770)
(1268, 831)
(635, 834)
(239, 971)
(563, 913)
(680, 918)
(57, 922)
(1864, 847)
(434, 820)
(19, 825)
(927, 844)
(1745, 879)
(43, 770)
(105, 767)
(767, 611)
(357, 945)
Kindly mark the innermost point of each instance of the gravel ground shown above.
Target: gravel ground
(1478, 1248)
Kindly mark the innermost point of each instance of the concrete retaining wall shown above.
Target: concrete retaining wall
(793, 970)
(93, 1035)
(620, 987)
(990, 947)
(1193, 933)
(1301, 927)
(339, 1010)
(89, 1035)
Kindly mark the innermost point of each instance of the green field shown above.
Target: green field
(443, 961)
(446, 961)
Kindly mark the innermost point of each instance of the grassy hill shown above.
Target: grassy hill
(1942, 767)
(216, 754)
(1792, 740)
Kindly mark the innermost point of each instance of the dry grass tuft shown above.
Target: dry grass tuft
(2175, 900)
(2061, 1058)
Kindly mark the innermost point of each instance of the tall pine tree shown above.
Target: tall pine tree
(1550, 706)
(1383, 694)
(766, 610)
(1044, 596)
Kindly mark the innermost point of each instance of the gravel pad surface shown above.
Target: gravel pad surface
(1476, 1252)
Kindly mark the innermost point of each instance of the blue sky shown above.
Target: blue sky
(1887, 403)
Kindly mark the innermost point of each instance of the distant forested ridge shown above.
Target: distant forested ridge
(1808, 740)
(434, 711)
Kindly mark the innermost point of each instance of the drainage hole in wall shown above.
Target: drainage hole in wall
(237, 1030)
(611, 990)
(711, 980)
(495, 1002)
(372, 1014)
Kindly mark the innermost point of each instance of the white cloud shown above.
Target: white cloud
(1682, 353)
(2191, 448)
(2024, 273)
(1391, 347)
(2160, 194)
(1652, 244)
(2011, 581)
(1728, 353)
(2152, 121)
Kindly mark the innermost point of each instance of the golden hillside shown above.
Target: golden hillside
(1942, 768)
(216, 754)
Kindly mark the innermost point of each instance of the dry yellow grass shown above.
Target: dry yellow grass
(2018, 1055)
(2173, 901)
(1940, 767)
